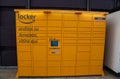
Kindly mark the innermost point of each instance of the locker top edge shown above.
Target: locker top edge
(59, 11)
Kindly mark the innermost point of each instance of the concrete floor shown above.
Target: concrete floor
(10, 74)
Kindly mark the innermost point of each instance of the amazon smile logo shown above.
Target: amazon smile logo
(26, 19)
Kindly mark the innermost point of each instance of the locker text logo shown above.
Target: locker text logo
(26, 19)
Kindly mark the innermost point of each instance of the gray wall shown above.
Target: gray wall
(7, 20)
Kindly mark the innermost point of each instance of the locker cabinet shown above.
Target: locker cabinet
(60, 43)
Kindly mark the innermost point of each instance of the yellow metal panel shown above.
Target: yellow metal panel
(24, 48)
(54, 28)
(25, 71)
(98, 40)
(69, 41)
(40, 29)
(94, 70)
(55, 35)
(40, 64)
(83, 56)
(40, 23)
(84, 41)
(84, 35)
(54, 16)
(40, 52)
(68, 63)
(84, 48)
(99, 24)
(54, 32)
(41, 35)
(82, 70)
(54, 57)
(24, 55)
(85, 17)
(67, 71)
(70, 35)
(40, 71)
(84, 29)
(23, 41)
(96, 63)
(97, 52)
(84, 24)
(41, 41)
(54, 63)
(54, 23)
(70, 24)
(68, 54)
(70, 17)
(18, 23)
(82, 63)
(70, 29)
(23, 34)
(98, 35)
(53, 71)
(99, 29)
(40, 16)
(25, 63)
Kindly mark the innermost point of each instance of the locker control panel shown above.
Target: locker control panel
(54, 47)
(54, 43)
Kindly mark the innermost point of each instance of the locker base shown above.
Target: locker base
(17, 76)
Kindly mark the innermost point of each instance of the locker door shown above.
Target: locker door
(97, 52)
(39, 53)
(69, 52)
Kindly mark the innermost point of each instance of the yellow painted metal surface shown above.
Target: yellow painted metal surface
(60, 43)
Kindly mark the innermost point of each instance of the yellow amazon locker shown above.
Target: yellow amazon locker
(60, 42)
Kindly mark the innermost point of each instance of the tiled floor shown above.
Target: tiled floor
(10, 74)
